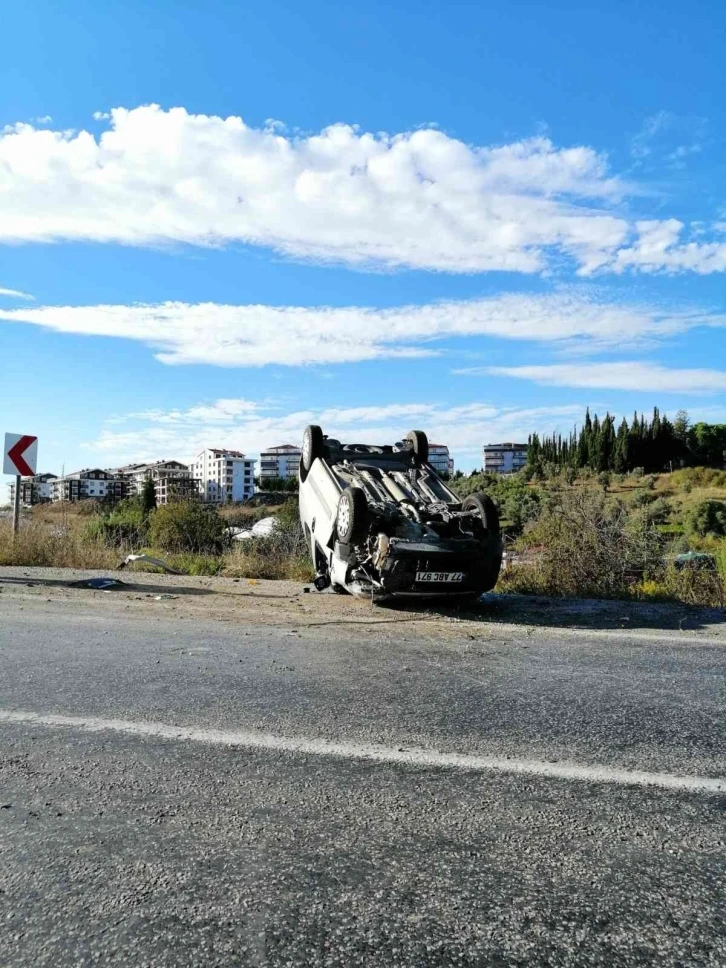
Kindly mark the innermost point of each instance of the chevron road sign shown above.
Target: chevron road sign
(20, 455)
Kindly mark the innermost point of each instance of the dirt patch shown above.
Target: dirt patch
(293, 605)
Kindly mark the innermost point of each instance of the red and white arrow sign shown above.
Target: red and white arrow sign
(20, 454)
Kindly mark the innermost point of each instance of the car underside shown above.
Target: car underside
(381, 523)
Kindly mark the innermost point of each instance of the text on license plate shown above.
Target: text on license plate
(440, 576)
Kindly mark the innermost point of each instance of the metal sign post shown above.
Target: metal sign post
(20, 457)
(16, 506)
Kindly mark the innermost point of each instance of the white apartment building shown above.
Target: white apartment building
(171, 478)
(505, 458)
(440, 459)
(224, 475)
(282, 461)
(34, 490)
(88, 484)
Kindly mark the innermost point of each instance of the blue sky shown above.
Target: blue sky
(220, 222)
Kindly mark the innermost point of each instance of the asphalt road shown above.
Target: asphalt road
(198, 792)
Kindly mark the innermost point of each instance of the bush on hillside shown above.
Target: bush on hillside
(584, 544)
(707, 517)
(186, 526)
(125, 526)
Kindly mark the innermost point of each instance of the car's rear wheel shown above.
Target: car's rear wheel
(312, 448)
(419, 444)
(350, 521)
(485, 508)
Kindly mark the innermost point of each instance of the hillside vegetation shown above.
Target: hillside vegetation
(580, 533)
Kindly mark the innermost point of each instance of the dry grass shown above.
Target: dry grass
(53, 547)
(57, 536)
(247, 561)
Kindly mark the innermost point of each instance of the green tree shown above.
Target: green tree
(148, 497)
(681, 426)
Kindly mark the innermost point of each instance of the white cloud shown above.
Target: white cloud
(292, 335)
(14, 293)
(182, 434)
(658, 248)
(418, 198)
(625, 375)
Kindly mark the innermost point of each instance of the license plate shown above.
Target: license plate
(442, 576)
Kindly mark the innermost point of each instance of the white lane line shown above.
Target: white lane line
(369, 751)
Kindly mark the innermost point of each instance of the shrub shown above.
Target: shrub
(707, 517)
(125, 526)
(584, 544)
(284, 554)
(186, 526)
(520, 507)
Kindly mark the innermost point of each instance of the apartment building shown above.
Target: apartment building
(505, 458)
(172, 480)
(34, 490)
(224, 475)
(282, 461)
(88, 484)
(440, 459)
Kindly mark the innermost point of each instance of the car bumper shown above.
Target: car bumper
(479, 561)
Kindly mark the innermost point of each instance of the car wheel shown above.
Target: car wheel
(419, 444)
(339, 590)
(487, 511)
(485, 508)
(350, 521)
(312, 448)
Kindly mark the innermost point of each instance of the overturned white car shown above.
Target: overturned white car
(380, 522)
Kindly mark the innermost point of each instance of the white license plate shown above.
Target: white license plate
(445, 576)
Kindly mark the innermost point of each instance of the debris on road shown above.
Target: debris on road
(98, 584)
(261, 529)
(159, 562)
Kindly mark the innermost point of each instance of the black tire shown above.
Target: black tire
(419, 444)
(486, 509)
(339, 590)
(312, 448)
(350, 520)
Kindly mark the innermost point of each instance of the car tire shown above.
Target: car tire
(485, 507)
(339, 590)
(350, 520)
(312, 448)
(419, 444)
(487, 511)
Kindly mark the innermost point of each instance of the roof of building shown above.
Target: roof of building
(225, 452)
(507, 446)
(281, 449)
(85, 472)
(138, 468)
